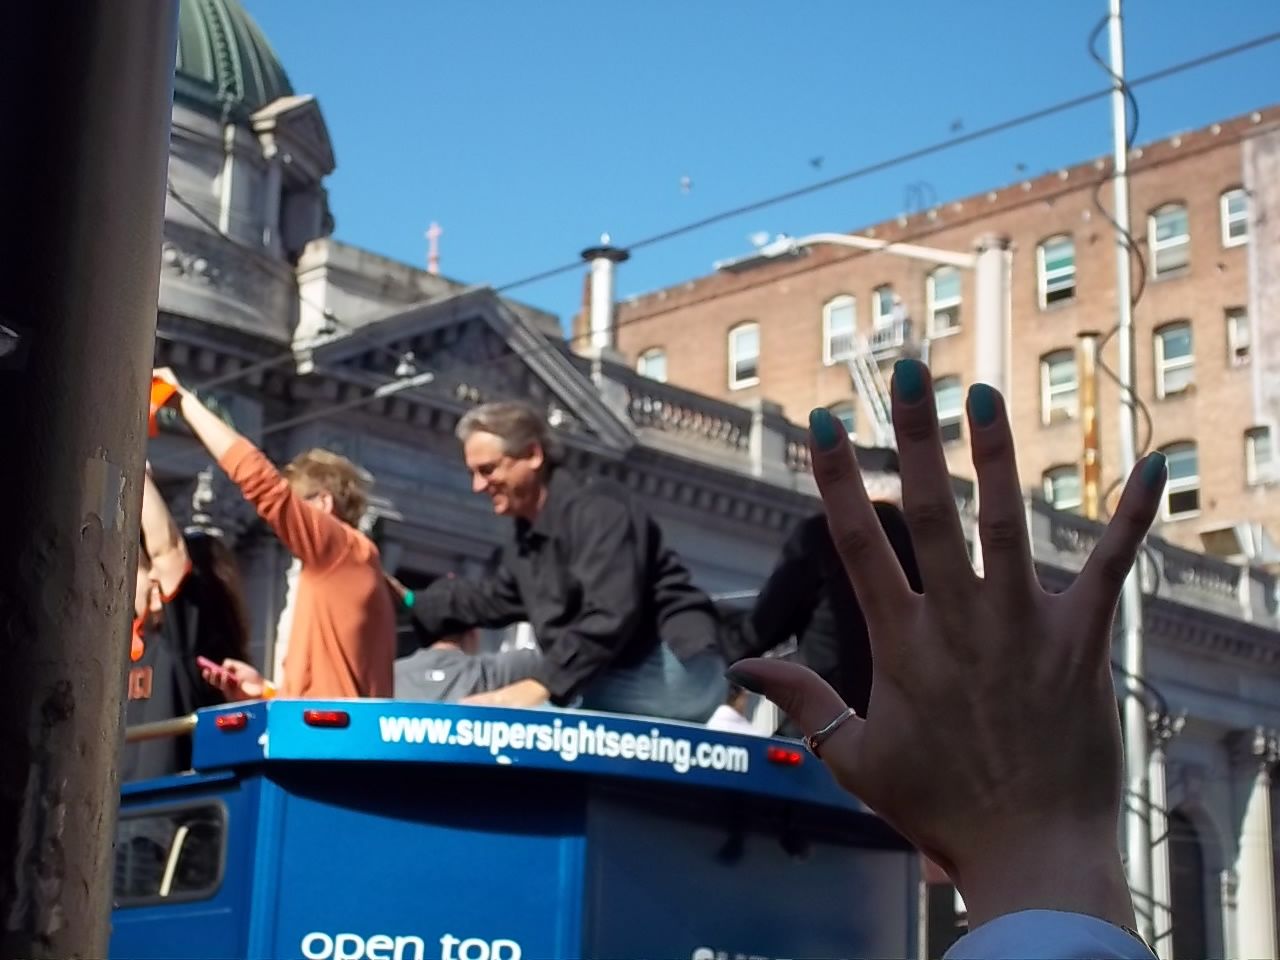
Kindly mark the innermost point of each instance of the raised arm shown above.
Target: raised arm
(162, 539)
(313, 536)
(216, 434)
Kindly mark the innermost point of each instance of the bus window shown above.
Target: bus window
(169, 854)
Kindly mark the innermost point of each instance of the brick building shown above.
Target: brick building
(1205, 210)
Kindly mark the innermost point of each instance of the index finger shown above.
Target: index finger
(865, 553)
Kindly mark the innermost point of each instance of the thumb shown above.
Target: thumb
(797, 691)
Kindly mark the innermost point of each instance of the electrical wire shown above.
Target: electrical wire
(1128, 395)
(827, 183)
(565, 345)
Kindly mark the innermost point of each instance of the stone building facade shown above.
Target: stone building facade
(304, 341)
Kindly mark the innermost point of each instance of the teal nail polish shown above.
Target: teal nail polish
(1153, 471)
(744, 680)
(825, 428)
(908, 380)
(983, 405)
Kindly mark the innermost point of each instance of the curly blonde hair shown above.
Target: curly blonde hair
(322, 471)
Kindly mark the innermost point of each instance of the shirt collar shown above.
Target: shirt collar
(560, 486)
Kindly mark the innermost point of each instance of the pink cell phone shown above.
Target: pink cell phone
(217, 669)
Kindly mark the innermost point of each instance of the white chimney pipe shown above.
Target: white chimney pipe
(602, 259)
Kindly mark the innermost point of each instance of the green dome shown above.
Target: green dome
(226, 67)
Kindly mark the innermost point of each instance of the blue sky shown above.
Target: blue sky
(527, 129)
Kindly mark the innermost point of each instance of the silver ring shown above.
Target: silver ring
(815, 740)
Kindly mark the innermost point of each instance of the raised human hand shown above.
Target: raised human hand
(993, 737)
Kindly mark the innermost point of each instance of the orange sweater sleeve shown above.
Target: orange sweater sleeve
(316, 538)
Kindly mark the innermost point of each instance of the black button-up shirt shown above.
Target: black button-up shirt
(808, 596)
(593, 577)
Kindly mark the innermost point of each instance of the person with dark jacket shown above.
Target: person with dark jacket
(188, 603)
(620, 624)
(808, 596)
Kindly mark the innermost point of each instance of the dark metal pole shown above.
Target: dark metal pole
(85, 97)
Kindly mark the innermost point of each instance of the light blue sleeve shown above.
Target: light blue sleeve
(1048, 935)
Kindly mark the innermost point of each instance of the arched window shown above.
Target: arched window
(1056, 270)
(1258, 467)
(653, 364)
(1235, 217)
(1182, 494)
(839, 319)
(1062, 487)
(1175, 358)
(744, 356)
(882, 303)
(1170, 238)
(847, 413)
(1187, 892)
(1059, 387)
(943, 292)
(949, 396)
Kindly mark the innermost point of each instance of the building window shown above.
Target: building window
(1062, 487)
(838, 319)
(1056, 270)
(943, 292)
(1190, 934)
(653, 364)
(1175, 360)
(847, 414)
(744, 356)
(950, 400)
(1170, 239)
(1059, 387)
(1235, 217)
(1239, 337)
(1257, 455)
(1182, 495)
(882, 304)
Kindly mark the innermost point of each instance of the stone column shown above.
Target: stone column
(1255, 866)
(768, 444)
(992, 327)
(1163, 729)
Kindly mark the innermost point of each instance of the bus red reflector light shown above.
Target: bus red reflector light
(230, 722)
(784, 757)
(333, 719)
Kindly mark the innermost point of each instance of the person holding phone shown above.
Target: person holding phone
(343, 640)
(188, 608)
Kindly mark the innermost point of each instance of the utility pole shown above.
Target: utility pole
(1137, 798)
(86, 92)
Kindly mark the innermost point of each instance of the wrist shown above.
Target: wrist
(1070, 870)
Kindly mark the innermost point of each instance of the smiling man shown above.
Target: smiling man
(620, 625)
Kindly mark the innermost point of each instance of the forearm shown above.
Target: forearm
(210, 429)
(159, 532)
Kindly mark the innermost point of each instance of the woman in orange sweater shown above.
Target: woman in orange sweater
(342, 643)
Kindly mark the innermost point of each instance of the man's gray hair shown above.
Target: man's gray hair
(518, 426)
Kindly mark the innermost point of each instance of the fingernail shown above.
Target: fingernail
(908, 380)
(744, 680)
(825, 428)
(1153, 471)
(983, 405)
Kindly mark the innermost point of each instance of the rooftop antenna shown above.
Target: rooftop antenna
(433, 247)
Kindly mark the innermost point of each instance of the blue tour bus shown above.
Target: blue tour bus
(389, 830)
